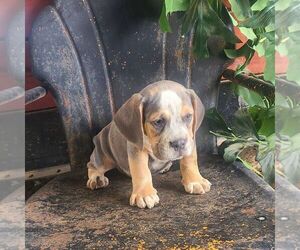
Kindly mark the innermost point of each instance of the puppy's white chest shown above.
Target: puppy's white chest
(156, 165)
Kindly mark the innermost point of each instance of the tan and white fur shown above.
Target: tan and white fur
(153, 128)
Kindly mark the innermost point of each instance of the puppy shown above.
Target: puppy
(152, 129)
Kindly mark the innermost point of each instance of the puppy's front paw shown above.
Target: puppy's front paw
(145, 197)
(97, 181)
(200, 186)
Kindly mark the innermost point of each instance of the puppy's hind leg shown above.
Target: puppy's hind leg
(96, 176)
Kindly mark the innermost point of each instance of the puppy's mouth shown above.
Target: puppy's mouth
(177, 158)
(169, 155)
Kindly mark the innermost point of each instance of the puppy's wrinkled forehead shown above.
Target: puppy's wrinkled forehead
(167, 100)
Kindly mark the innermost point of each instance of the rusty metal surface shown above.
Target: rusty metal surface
(93, 55)
(34, 94)
(64, 214)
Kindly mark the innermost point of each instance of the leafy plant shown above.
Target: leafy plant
(248, 128)
(288, 137)
(288, 35)
(254, 125)
(205, 18)
(257, 24)
(287, 96)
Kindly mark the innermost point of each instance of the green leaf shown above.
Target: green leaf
(176, 5)
(289, 157)
(259, 5)
(260, 49)
(260, 19)
(170, 6)
(296, 141)
(291, 166)
(270, 36)
(282, 49)
(225, 144)
(266, 145)
(281, 102)
(248, 33)
(216, 26)
(201, 36)
(216, 123)
(269, 71)
(289, 44)
(288, 16)
(209, 24)
(272, 141)
(264, 120)
(163, 20)
(232, 151)
(255, 112)
(287, 120)
(294, 63)
(190, 17)
(217, 6)
(267, 127)
(241, 9)
(294, 27)
(266, 158)
(282, 4)
(249, 96)
(295, 36)
(243, 125)
(289, 144)
(234, 22)
(267, 162)
(245, 50)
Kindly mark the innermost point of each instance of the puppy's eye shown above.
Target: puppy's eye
(187, 118)
(159, 123)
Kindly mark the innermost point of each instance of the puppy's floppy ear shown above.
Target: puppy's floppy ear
(199, 110)
(129, 120)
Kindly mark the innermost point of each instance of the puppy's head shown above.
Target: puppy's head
(167, 115)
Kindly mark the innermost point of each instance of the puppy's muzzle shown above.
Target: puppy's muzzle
(178, 145)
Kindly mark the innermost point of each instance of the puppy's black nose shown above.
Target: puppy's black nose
(178, 144)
